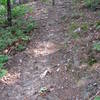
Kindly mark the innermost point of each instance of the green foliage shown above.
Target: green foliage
(20, 47)
(92, 61)
(92, 3)
(6, 39)
(3, 72)
(98, 25)
(20, 10)
(72, 28)
(45, 1)
(17, 11)
(96, 46)
(97, 98)
(18, 34)
(15, 33)
(2, 10)
(77, 29)
(2, 14)
(31, 24)
(19, 30)
(1, 65)
(75, 35)
(3, 59)
(3, 2)
(77, 15)
(63, 18)
(84, 27)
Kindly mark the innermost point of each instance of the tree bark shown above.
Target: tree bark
(9, 17)
(53, 2)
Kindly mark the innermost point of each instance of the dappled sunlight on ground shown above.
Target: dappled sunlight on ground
(96, 67)
(44, 48)
(10, 78)
(43, 10)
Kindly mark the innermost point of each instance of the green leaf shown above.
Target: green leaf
(98, 27)
(25, 38)
(1, 65)
(3, 58)
(20, 47)
(96, 46)
(97, 98)
(3, 2)
(3, 72)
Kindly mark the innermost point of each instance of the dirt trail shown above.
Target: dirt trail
(45, 53)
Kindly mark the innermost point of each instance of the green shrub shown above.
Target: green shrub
(2, 10)
(30, 25)
(6, 39)
(3, 2)
(92, 61)
(96, 46)
(17, 35)
(98, 25)
(3, 60)
(72, 28)
(17, 11)
(84, 27)
(20, 47)
(20, 11)
(1, 65)
(19, 31)
(97, 98)
(92, 3)
(76, 30)
(3, 72)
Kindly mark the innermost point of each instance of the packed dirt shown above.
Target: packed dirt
(50, 68)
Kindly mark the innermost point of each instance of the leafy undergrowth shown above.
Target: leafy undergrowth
(84, 32)
(17, 34)
(16, 37)
(3, 59)
(97, 98)
(91, 4)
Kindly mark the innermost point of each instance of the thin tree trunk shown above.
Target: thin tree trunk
(53, 2)
(9, 17)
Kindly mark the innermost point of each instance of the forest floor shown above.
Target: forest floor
(55, 64)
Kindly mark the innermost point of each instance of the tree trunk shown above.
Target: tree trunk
(9, 17)
(53, 2)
